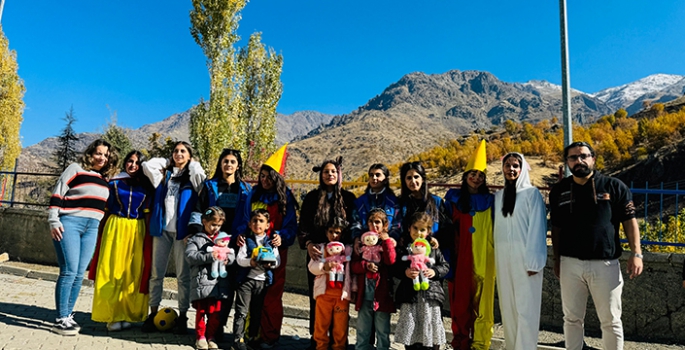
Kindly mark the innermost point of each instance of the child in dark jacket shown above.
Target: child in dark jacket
(204, 291)
(420, 322)
(254, 279)
(374, 302)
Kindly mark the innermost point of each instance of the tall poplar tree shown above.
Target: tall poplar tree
(245, 87)
(261, 90)
(11, 104)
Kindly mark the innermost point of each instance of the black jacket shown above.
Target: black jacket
(405, 292)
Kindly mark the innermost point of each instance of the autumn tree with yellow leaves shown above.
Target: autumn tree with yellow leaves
(11, 104)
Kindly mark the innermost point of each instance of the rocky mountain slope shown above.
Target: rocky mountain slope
(420, 110)
(411, 115)
(653, 87)
(35, 157)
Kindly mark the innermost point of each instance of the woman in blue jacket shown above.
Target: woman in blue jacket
(378, 194)
(177, 182)
(228, 191)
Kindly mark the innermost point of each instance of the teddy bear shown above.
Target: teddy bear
(225, 255)
(371, 251)
(337, 253)
(419, 258)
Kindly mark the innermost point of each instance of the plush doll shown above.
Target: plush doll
(371, 251)
(420, 251)
(225, 256)
(336, 253)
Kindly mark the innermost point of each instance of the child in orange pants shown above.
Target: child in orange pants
(332, 301)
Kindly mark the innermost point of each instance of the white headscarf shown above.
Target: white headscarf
(523, 180)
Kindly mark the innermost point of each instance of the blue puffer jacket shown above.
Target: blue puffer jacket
(187, 197)
(369, 201)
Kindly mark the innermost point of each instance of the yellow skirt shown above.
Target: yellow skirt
(120, 265)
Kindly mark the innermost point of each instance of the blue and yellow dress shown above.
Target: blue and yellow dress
(123, 257)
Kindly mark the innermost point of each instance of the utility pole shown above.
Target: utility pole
(2, 6)
(565, 79)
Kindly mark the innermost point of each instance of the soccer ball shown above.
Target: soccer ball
(165, 319)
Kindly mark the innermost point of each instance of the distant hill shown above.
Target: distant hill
(410, 116)
(420, 110)
(656, 87)
(35, 157)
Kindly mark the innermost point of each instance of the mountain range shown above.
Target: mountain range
(414, 114)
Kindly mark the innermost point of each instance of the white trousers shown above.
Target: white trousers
(603, 280)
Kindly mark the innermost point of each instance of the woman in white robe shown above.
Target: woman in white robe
(520, 235)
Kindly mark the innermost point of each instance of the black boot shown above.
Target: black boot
(149, 324)
(181, 326)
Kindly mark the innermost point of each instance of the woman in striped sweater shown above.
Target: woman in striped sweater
(76, 208)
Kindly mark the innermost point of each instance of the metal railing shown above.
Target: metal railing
(657, 218)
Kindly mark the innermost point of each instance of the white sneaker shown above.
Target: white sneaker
(73, 323)
(126, 325)
(114, 326)
(63, 327)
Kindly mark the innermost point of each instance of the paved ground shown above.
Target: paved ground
(27, 313)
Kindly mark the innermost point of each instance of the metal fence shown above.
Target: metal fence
(662, 222)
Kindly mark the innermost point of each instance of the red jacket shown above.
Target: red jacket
(383, 299)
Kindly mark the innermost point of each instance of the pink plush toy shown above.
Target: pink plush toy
(336, 253)
(371, 251)
(224, 257)
(419, 258)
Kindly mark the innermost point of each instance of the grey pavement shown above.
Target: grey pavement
(27, 312)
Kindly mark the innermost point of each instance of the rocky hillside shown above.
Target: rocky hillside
(420, 110)
(656, 88)
(35, 157)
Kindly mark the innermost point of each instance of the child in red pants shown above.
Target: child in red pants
(332, 299)
(204, 290)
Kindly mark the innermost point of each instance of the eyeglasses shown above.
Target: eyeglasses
(582, 156)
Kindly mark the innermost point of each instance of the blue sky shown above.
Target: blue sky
(137, 58)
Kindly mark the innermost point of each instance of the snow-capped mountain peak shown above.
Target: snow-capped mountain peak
(547, 88)
(623, 95)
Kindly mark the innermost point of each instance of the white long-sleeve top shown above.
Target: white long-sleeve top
(243, 259)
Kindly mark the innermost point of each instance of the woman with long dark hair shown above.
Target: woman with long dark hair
(416, 197)
(319, 208)
(228, 191)
(272, 194)
(177, 182)
(378, 194)
(520, 236)
(121, 264)
(470, 252)
(76, 207)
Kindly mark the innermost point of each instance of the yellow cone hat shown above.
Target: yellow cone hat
(479, 159)
(277, 160)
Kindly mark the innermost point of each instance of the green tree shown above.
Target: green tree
(115, 135)
(245, 87)
(215, 124)
(65, 153)
(11, 104)
(158, 147)
(261, 90)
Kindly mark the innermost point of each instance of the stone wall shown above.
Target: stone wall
(653, 303)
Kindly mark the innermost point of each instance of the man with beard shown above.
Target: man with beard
(586, 211)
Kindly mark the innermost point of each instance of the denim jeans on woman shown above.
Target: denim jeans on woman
(74, 252)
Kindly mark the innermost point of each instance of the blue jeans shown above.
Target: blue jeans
(74, 252)
(381, 321)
